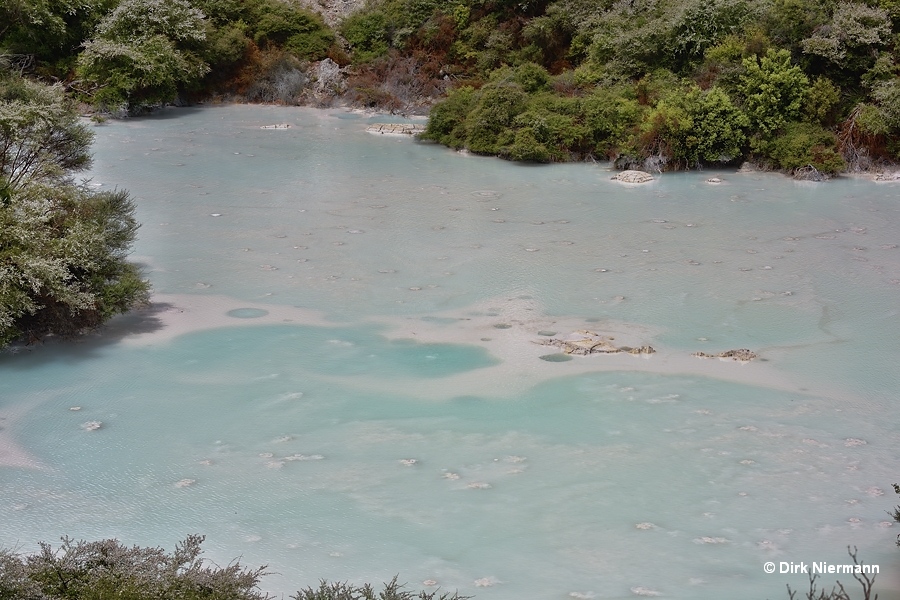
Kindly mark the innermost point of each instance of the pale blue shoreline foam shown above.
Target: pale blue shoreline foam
(308, 448)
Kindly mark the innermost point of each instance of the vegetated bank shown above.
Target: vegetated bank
(798, 85)
(63, 244)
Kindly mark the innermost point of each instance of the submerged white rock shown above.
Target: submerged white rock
(633, 177)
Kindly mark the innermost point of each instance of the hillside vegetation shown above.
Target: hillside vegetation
(662, 84)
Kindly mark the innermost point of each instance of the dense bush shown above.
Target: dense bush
(287, 25)
(62, 245)
(772, 90)
(620, 71)
(802, 144)
(108, 569)
(50, 30)
(144, 52)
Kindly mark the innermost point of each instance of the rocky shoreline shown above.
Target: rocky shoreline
(585, 342)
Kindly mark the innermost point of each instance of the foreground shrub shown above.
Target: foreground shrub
(108, 569)
(392, 591)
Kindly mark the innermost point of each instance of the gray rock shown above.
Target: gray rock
(739, 355)
(633, 177)
(584, 342)
(396, 128)
(329, 78)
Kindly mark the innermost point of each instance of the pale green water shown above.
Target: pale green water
(294, 434)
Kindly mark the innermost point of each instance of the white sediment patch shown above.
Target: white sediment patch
(519, 366)
(11, 453)
(644, 591)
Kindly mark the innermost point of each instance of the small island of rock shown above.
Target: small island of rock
(586, 342)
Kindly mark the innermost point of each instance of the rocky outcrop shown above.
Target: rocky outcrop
(333, 11)
(740, 355)
(633, 177)
(396, 128)
(586, 342)
(330, 81)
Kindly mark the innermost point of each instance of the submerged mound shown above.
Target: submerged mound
(633, 177)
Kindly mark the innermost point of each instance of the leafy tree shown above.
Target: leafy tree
(690, 127)
(531, 77)
(62, 246)
(773, 90)
(41, 138)
(610, 115)
(788, 22)
(144, 52)
(821, 102)
(702, 24)
(50, 30)
(851, 39)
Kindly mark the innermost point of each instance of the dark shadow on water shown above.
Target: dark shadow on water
(87, 346)
(164, 113)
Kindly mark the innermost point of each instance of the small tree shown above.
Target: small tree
(62, 246)
(144, 52)
(773, 91)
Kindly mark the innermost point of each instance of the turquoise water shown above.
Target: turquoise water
(357, 395)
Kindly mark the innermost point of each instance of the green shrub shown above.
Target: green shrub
(367, 33)
(560, 135)
(284, 24)
(610, 116)
(447, 120)
(144, 52)
(773, 91)
(531, 77)
(493, 113)
(701, 24)
(689, 127)
(802, 144)
(526, 148)
(820, 102)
